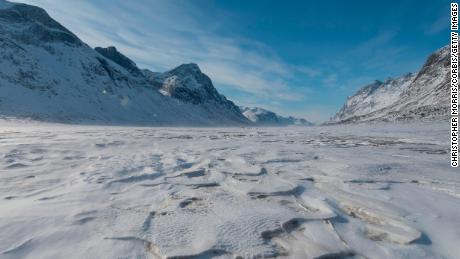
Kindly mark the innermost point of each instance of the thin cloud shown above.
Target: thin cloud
(438, 25)
(330, 80)
(308, 71)
(375, 43)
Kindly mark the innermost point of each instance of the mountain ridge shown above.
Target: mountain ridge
(264, 117)
(418, 96)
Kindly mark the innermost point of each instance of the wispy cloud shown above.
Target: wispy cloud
(330, 80)
(379, 51)
(440, 24)
(308, 71)
(375, 43)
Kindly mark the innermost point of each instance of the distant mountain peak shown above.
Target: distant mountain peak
(186, 83)
(187, 68)
(264, 117)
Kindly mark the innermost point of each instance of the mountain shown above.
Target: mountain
(188, 84)
(420, 96)
(48, 73)
(262, 117)
(373, 97)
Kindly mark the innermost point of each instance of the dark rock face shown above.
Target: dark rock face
(41, 28)
(187, 83)
(113, 54)
(153, 78)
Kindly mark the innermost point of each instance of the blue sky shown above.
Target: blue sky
(298, 58)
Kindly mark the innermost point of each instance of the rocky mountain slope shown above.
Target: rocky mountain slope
(420, 96)
(265, 117)
(188, 84)
(373, 97)
(123, 61)
(48, 73)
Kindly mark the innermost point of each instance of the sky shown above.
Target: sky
(299, 58)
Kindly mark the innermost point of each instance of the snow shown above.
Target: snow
(362, 191)
(420, 96)
(374, 97)
(66, 86)
(263, 117)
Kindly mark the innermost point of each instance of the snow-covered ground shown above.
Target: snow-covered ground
(375, 191)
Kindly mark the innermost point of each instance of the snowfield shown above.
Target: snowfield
(362, 191)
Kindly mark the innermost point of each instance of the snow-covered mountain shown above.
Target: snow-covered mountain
(373, 97)
(113, 54)
(188, 84)
(48, 73)
(265, 117)
(420, 96)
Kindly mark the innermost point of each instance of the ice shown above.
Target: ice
(348, 191)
